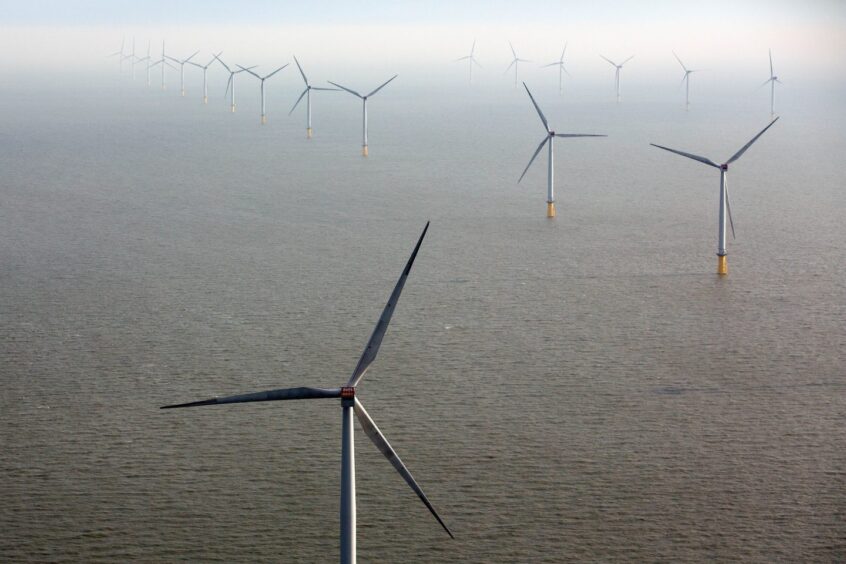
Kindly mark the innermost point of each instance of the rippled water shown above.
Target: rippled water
(584, 388)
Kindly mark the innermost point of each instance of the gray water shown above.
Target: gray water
(584, 388)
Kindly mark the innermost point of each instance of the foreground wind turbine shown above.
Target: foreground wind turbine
(163, 62)
(231, 81)
(307, 94)
(472, 60)
(349, 404)
(515, 62)
(364, 151)
(617, 73)
(205, 72)
(772, 82)
(262, 79)
(549, 138)
(181, 70)
(560, 64)
(686, 80)
(725, 206)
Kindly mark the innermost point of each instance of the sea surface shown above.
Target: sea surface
(584, 388)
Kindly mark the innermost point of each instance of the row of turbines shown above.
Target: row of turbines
(618, 67)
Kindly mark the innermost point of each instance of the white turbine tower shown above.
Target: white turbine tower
(772, 82)
(230, 82)
(472, 60)
(119, 55)
(560, 64)
(686, 80)
(205, 73)
(617, 73)
(147, 59)
(262, 79)
(725, 205)
(349, 404)
(549, 138)
(181, 70)
(307, 94)
(132, 59)
(364, 150)
(515, 63)
(163, 62)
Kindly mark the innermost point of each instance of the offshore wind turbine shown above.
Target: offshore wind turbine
(262, 79)
(119, 55)
(686, 80)
(725, 205)
(549, 138)
(617, 73)
(364, 151)
(231, 81)
(472, 60)
(147, 58)
(772, 81)
(181, 70)
(349, 404)
(515, 62)
(163, 62)
(205, 72)
(560, 64)
(132, 57)
(307, 94)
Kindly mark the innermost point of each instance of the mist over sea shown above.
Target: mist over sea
(583, 388)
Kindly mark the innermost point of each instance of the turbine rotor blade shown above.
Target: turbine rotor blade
(679, 60)
(771, 63)
(609, 60)
(728, 208)
(627, 60)
(743, 149)
(383, 85)
(219, 60)
(301, 71)
(580, 135)
(540, 113)
(372, 348)
(461, 59)
(509, 66)
(249, 71)
(228, 83)
(325, 89)
(372, 431)
(513, 52)
(298, 101)
(538, 150)
(353, 92)
(191, 57)
(689, 155)
(277, 70)
(269, 395)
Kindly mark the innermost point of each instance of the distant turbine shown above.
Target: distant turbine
(231, 81)
(262, 79)
(472, 60)
(560, 64)
(772, 82)
(205, 72)
(550, 138)
(617, 73)
(686, 80)
(148, 59)
(131, 56)
(725, 205)
(119, 55)
(349, 404)
(181, 71)
(364, 151)
(163, 62)
(307, 94)
(514, 62)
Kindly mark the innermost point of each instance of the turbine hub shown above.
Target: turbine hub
(724, 166)
(347, 392)
(551, 133)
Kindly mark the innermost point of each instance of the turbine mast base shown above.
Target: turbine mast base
(308, 133)
(364, 150)
(232, 108)
(205, 99)
(550, 209)
(264, 119)
(722, 265)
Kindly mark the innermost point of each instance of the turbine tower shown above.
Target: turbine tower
(307, 94)
(772, 82)
(262, 79)
(550, 138)
(364, 151)
(472, 60)
(231, 81)
(514, 62)
(560, 64)
(617, 73)
(725, 205)
(349, 404)
(686, 80)
(205, 72)
(181, 70)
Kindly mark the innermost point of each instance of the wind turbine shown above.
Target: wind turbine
(119, 55)
(686, 80)
(725, 206)
(307, 94)
(772, 81)
(514, 62)
(472, 60)
(617, 73)
(349, 404)
(147, 58)
(163, 62)
(550, 138)
(262, 79)
(205, 72)
(131, 56)
(560, 64)
(181, 70)
(231, 81)
(364, 151)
